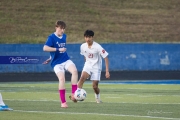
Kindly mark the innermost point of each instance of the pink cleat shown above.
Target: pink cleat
(64, 105)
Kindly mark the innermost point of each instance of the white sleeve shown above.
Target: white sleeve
(81, 50)
(102, 51)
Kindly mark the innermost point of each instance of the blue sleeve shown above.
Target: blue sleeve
(49, 42)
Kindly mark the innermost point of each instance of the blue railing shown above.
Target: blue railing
(127, 56)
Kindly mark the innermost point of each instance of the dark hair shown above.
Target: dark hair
(60, 24)
(88, 33)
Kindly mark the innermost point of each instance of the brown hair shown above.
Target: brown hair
(60, 24)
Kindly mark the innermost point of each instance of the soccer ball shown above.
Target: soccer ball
(80, 95)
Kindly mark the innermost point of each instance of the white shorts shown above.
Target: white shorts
(63, 66)
(95, 74)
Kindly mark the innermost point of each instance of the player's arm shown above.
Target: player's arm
(104, 54)
(47, 61)
(52, 49)
(49, 49)
(107, 67)
(84, 59)
(81, 52)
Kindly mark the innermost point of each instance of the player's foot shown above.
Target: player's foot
(98, 101)
(71, 97)
(64, 105)
(5, 108)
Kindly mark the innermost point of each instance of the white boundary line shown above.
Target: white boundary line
(118, 115)
(88, 87)
(137, 95)
(45, 100)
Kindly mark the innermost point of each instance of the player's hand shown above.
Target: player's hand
(47, 61)
(107, 74)
(62, 49)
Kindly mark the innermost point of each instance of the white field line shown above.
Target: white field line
(118, 115)
(47, 100)
(119, 88)
(137, 95)
(113, 97)
(23, 100)
(114, 88)
(148, 95)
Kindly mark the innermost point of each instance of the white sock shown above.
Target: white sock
(97, 96)
(1, 100)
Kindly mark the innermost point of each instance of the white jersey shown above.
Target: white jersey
(93, 55)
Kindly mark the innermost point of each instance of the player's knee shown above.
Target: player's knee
(74, 72)
(82, 78)
(61, 80)
(95, 87)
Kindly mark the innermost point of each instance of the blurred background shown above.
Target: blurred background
(31, 21)
(142, 36)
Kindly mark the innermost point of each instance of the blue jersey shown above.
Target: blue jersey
(57, 42)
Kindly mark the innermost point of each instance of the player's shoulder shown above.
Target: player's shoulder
(83, 44)
(51, 35)
(96, 44)
(64, 35)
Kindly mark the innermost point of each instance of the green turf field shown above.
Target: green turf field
(40, 101)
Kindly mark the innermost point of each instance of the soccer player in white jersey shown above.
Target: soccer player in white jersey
(93, 54)
(60, 61)
(3, 107)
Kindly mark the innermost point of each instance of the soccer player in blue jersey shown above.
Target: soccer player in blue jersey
(60, 61)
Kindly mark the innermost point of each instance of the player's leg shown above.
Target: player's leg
(95, 77)
(59, 70)
(84, 76)
(62, 90)
(95, 84)
(80, 84)
(1, 100)
(70, 66)
(96, 89)
(3, 107)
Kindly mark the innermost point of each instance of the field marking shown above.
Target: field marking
(118, 115)
(112, 97)
(137, 95)
(89, 87)
(45, 100)
(142, 95)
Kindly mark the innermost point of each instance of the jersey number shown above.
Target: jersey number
(90, 55)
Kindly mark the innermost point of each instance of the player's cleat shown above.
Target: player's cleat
(64, 105)
(5, 108)
(71, 97)
(98, 101)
